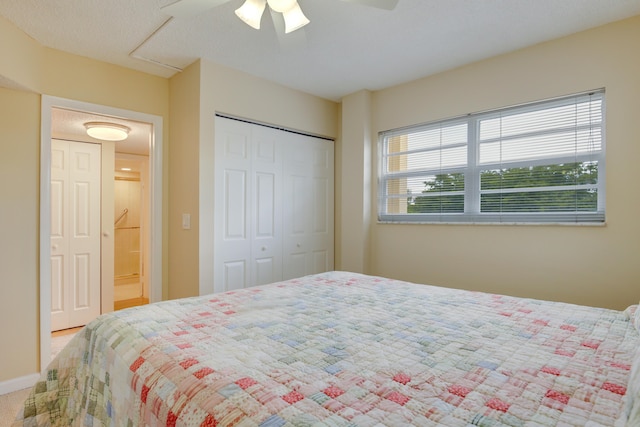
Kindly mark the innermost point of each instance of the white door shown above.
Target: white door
(75, 233)
(248, 222)
(232, 254)
(273, 205)
(308, 206)
(266, 200)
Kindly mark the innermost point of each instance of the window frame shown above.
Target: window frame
(473, 168)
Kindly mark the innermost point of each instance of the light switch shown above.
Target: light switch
(186, 221)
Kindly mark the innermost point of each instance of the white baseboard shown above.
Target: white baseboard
(18, 383)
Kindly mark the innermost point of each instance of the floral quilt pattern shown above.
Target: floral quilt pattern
(341, 349)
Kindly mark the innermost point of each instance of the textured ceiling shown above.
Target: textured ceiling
(346, 48)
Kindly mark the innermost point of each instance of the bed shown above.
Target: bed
(344, 349)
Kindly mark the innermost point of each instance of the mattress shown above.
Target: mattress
(344, 349)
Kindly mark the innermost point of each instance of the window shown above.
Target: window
(540, 162)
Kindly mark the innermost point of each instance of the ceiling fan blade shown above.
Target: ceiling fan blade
(189, 8)
(380, 4)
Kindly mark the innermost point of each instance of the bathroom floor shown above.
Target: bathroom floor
(128, 293)
(127, 303)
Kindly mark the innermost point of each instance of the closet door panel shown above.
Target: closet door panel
(235, 208)
(265, 199)
(299, 208)
(57, 290)
(321, 235)
(321, 261)
(265, 270)
(308, 201)
(299, 212)
(323, 222)
(59, 243)
(235, 237)
(234, 275)
(85, 164)
(75, 233)
(232, 247)
(295, 265)
(81, 280)
(266, 248)
(266, 251)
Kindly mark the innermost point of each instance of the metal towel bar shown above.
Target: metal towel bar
(124, 212)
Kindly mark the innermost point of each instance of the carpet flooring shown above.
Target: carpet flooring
(58, 343)
(11, 403)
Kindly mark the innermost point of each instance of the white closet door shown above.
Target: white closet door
(308, 206)
(75, 233)
(232, 248)
(248, 199)
(273, 205)
(266, 199)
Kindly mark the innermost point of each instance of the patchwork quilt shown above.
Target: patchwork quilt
(342, 349)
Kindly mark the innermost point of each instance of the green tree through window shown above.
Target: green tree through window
(436, 199)
(549, 188)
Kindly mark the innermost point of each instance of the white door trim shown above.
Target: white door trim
(155, 156)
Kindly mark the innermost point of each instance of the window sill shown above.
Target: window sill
(527, 224)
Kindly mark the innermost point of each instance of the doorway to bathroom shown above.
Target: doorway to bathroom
(67, 120)
(131, 213)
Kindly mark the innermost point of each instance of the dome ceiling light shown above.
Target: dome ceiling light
(106, 131)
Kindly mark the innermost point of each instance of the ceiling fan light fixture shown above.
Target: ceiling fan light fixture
(107, 131)
(294, 18)
(251, 12)
(282, 6)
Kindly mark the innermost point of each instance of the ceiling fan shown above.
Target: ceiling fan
(251, 11)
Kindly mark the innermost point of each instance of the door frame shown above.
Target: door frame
(155, 191)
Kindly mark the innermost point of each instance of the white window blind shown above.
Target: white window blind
(540, 162)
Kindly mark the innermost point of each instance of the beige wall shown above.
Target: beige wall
(20, 58)
(221, 89)
(19, 221)
(83, 79)
(593, 265)
(30, 70)
(354, 235)
(183, 181)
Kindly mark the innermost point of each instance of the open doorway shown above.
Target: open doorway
(131, 231)
(65, 119)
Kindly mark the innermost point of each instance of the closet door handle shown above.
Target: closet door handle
(264, 248)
